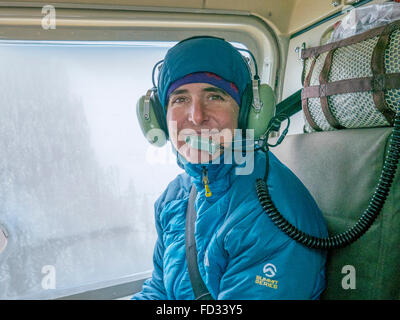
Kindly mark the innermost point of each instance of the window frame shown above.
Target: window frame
(125, 23)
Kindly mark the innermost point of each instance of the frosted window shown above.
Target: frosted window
(77, 179)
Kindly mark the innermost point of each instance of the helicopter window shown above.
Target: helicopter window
(77, 178)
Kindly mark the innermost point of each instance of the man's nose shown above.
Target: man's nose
(197, 113)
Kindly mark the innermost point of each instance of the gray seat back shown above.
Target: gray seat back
(341, 170)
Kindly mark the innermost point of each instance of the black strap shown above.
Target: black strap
(199, 288)
(290, 105)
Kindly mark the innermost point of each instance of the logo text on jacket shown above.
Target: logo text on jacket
(269, 271)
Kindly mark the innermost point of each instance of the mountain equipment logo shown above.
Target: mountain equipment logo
(269, 270)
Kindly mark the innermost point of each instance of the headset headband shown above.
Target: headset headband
(256, 76)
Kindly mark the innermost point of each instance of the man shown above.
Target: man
(241, 253)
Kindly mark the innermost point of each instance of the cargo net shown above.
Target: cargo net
(354, 110)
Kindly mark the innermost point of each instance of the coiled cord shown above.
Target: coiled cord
(367, 218)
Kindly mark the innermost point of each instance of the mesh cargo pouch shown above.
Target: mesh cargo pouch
(353, 83)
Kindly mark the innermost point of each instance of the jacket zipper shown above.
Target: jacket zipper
(205, 182)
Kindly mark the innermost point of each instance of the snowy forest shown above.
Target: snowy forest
(60, 205)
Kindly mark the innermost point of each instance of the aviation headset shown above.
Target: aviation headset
(256, 109)
(257, 112)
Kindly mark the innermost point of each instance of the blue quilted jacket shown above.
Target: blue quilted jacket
(241, 253)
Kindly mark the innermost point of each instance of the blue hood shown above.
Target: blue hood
(203, 54)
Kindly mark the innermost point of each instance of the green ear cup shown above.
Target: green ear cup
(151, 127)
(259, 119)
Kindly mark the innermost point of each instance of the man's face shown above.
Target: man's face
(204, 110)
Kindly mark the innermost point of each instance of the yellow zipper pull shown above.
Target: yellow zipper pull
(208, 191)
(205, 181)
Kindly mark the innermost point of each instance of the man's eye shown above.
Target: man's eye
(179, 100)
(216, 97)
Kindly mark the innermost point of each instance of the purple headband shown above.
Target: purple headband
(207, 77)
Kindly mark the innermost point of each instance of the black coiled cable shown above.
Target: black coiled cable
(367, 218)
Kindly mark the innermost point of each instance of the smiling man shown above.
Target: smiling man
(204, 87)
(200, 109)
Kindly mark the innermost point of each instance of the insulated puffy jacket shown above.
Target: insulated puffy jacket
(241, 253)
